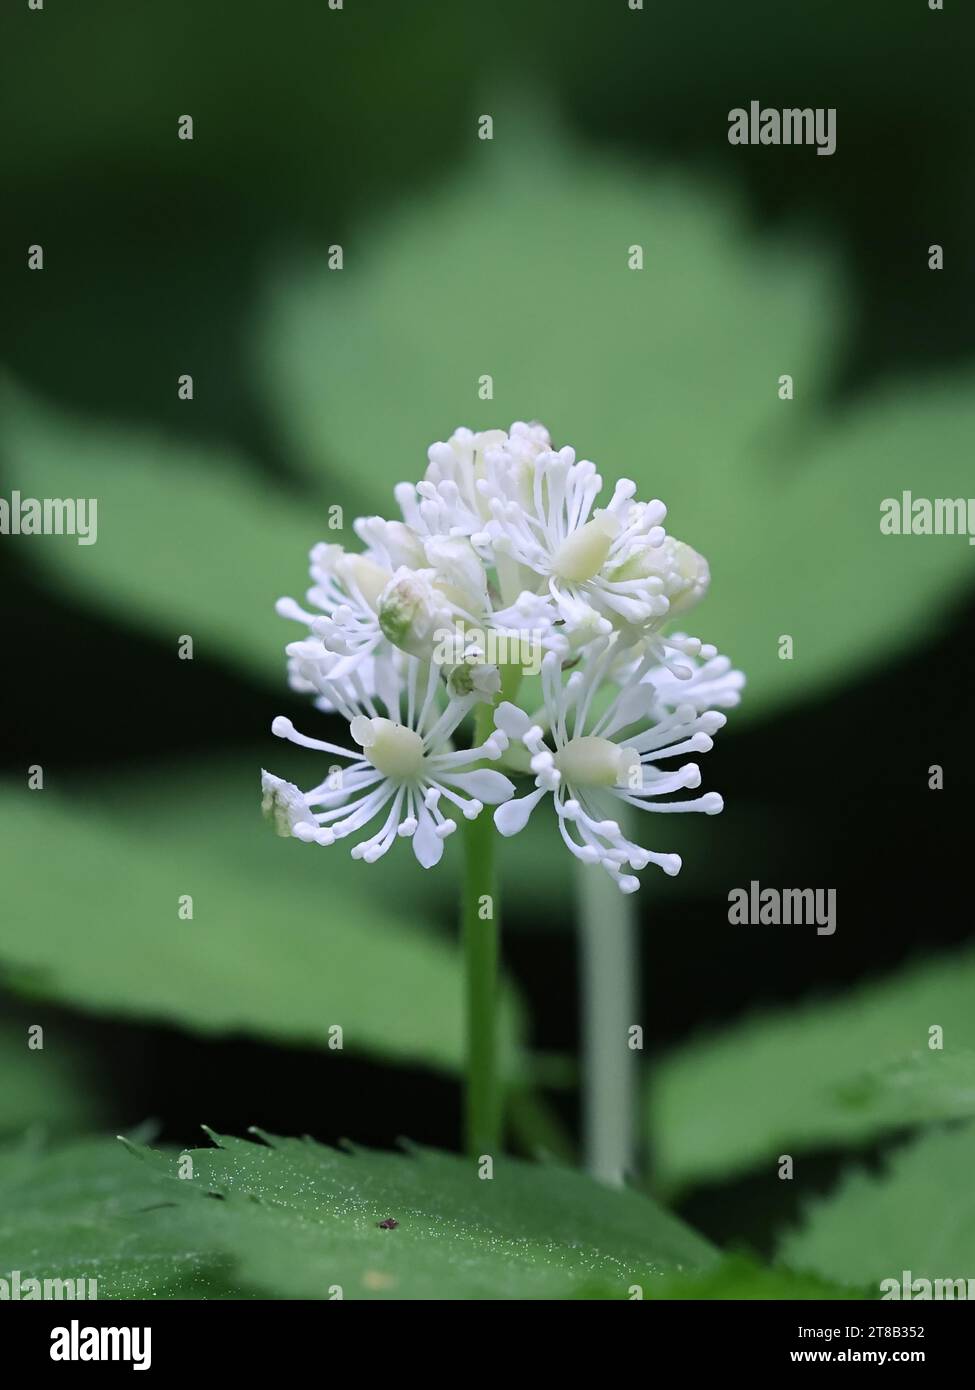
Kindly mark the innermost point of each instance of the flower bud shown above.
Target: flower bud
(683, 573)
(688, 578)
(412, 612)
(474, 676)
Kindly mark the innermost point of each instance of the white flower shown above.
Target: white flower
(712, 683)
(543, 520)
(419, 605)
(405, 769)
(413, 612)
(446, 613)
(683, 574)
(502, 557)
(346, 592)
(460, 575)
(447, 501)
(592, 760)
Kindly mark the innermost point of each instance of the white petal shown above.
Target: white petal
(427, 844)
(511, 720)
(513, 815)
(489, 787)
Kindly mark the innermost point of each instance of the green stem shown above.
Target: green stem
(608, 967)
(479, 927)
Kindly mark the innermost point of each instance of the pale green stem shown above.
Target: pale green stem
(608, 969)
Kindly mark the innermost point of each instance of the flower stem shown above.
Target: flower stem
(608, 969)
(482, 1100)
(479, 929)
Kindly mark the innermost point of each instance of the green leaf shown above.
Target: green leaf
(668, 375)
(297, 1219)
(86, 1211)
(917, 1215)
(738, 1277)
(929, 1085)
(92, 919)
(300, 1218)
(826, 1073)
(187, 541)
(217, 801)
(50, 1088)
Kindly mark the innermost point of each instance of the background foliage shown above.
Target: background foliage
(314, 388)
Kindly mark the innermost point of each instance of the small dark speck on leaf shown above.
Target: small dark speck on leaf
(389, 1224)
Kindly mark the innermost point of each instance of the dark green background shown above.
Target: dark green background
(311, 126)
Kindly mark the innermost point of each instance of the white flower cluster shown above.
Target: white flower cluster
(506, 593)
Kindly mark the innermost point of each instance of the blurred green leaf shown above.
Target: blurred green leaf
(215, 800)
(218, 801)
(301, 1218)
(187, 540)
(51, 1088)
(737, 1277)
(86, 1211)
(668, 375)
(828, 1072)
(368, 365)
(929, 1085)
(91, 919)
(917, 1215)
